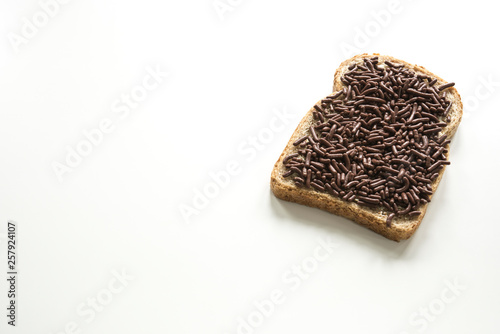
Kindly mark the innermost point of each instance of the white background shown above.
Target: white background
(119, 209)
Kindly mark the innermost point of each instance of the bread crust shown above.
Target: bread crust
(374, 218)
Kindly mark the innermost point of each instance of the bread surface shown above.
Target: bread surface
(374, 218)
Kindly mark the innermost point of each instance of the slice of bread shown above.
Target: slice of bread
(374, 218)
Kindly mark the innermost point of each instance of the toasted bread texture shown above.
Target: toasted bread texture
(374, 218)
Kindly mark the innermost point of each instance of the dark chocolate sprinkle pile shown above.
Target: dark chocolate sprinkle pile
(377, 141)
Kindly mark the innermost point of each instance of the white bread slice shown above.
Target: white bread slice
(402, 227)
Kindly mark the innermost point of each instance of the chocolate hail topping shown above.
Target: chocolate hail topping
(378, 141)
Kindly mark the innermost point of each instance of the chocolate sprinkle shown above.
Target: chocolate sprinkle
(377, 142)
